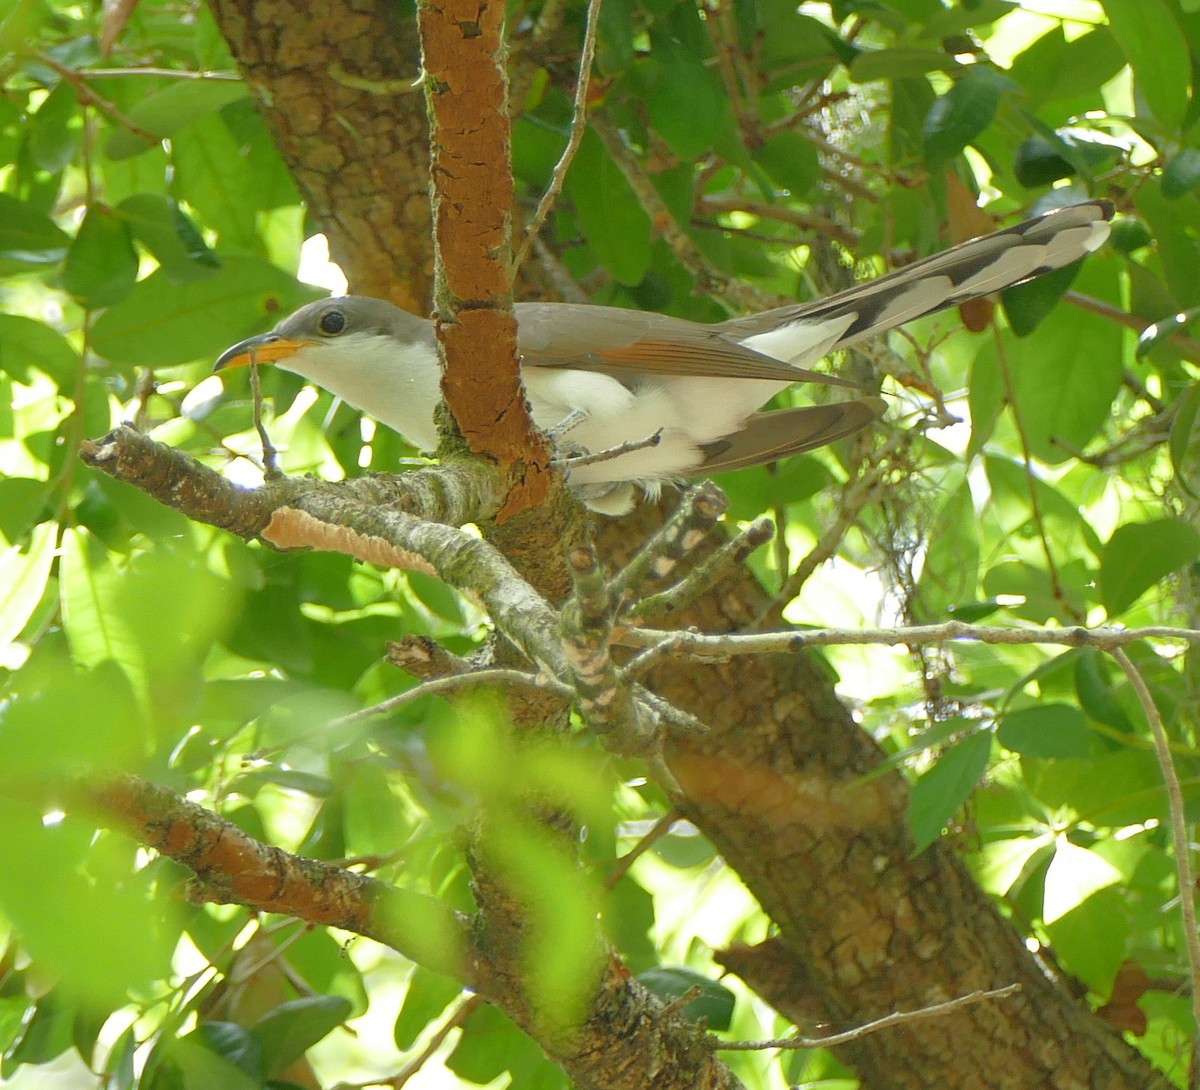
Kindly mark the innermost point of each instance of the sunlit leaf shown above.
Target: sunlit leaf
(1073, 876)
(24, 572)
(1156, 48)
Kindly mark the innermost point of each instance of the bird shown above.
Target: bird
(600, 377)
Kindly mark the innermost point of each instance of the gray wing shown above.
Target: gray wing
(972, 269)
(770, 436)
(624, 343)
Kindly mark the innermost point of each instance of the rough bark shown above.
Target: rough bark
(786, 787)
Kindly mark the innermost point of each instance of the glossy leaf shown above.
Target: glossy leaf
(291, 1029)
(961, 114)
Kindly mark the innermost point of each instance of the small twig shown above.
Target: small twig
(1186, 346)
(158, 73)
(559, 276)
(575, 461)
(490, 676)
(1179, 829)
(578, 127)
(656, 832)
(862, 493)
(86, 95)
(270, 455)
(604, 699)
(700, 645)
(703, 576)
(809, 222)
(669, 713)
(690, 523)
(898, 1018)
(466, 1007)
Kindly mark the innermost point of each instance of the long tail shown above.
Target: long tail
(977, 267)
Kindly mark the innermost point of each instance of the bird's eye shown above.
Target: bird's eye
(332, 322)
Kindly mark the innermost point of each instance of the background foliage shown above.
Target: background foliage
(146, 222)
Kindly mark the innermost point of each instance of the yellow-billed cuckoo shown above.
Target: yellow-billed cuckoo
(598, 377)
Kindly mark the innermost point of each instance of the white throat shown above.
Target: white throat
(398, 388)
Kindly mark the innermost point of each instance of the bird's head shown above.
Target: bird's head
(321, 334)
(373, 355)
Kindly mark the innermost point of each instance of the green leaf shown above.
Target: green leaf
(92, 598)
(29, 236)
(1139, 554)
(1068, 373)
(160, 225)
(1090, 941)
(1048, 156)
(611, 217)
(291, 1029)
(1073, 876)
(161, 322)
(1159, 333)
(714, 1003)
(1095, 689)
(171, 110)
(961, 114)
(1181, 174)
(951, 568)
(1046, 730)
(59, 908)
(791, 161)
(688, 105)
(900, 62)
(102, 265)
(56, 130)
(27, 345)
(22, 500)
(23, 578)
(201, 1066)
(938, 794)
(1026, 305)
(1157, 50)
(214, 176)
(953, 21)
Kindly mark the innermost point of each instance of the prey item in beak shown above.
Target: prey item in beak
(265, 348)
